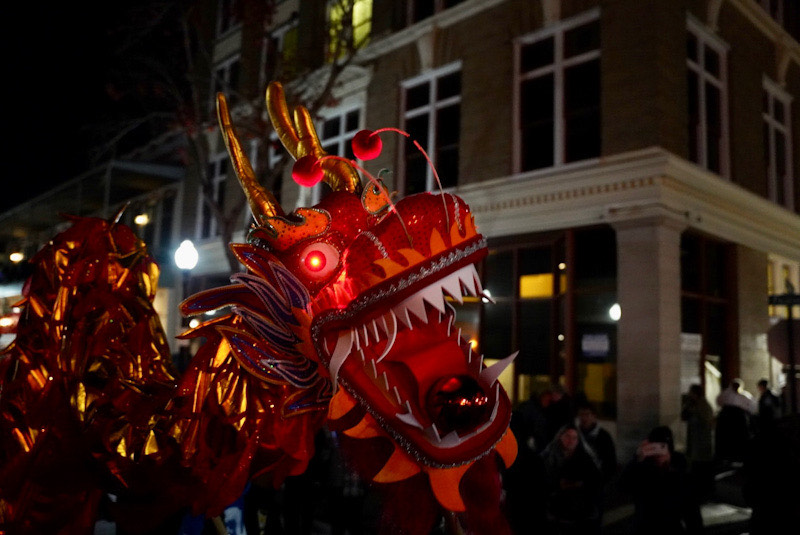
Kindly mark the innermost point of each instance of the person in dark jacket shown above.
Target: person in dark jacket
(658, 480)
(573, 485)
(696, 411)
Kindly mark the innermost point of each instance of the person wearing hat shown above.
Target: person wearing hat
(657, 478)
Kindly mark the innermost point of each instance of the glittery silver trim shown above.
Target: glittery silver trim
(371, 298)
(374, 239)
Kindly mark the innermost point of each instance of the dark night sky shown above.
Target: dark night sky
(55, 78)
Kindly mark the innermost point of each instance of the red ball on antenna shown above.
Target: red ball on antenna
(367, 145)
(307, 171)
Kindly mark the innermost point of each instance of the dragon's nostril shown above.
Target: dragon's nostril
(457, 403)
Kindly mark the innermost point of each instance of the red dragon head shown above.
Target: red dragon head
(347, 307)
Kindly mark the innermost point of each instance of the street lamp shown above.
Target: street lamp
(186, 259)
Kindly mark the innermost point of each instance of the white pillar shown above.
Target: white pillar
(648, 332)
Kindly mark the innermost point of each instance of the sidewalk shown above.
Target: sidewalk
(724, 514)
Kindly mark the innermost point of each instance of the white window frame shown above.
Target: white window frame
(777, 13)
(275, 40)
(430, 109)
(218, 161)
(707, 39)
(234, 24)
(557, 68)
(224, 67)
(775, 92)
(311, 196)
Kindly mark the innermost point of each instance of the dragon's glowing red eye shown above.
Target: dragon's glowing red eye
(319, 260)
(315, 261)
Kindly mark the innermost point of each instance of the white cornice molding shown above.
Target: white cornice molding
(633, 186)
(762, 20)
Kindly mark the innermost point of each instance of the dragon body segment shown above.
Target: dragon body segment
(343, 318)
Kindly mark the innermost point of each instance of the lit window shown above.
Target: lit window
(558, 94)
(349, 24)
(432, 116)
(708, 99)
(778, 144)
(280, 54)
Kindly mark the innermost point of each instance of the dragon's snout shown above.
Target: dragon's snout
(457, 403)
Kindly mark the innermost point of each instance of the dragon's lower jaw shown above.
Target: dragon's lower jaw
(418, 378)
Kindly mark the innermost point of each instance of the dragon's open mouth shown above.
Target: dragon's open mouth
(423, 383)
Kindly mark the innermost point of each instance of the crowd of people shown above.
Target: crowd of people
(565, 448)
(567, 471)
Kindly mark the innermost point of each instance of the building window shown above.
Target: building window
(552, 297)
(350, 26)
(707, 304)
(778, 144)
(708, 99)
(217, 175)
(227, 16)
(226, 80)
(335, 133)
(432, 117)
(558, 94)
(280, 54)
(422, 9)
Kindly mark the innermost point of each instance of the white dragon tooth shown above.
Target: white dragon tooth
(450, 440)
(365, 338)
(490, 374)
(450, 323)
(400, 312)
(478, 285)
(356, 338)
(433, 433)
(376, 333)
(343, 346)
(391, 333)
(434, 296)
(467, 279)
(452, 285)
(408, 417)
(363, 357)
(416, 305)
(385, 381)
(374, 369)
(397, 395)
(469, 353)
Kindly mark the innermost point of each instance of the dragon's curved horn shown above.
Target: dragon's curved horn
(298, 135)
(262, 203)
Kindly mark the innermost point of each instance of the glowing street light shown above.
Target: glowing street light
(16, 257)
(186, 256)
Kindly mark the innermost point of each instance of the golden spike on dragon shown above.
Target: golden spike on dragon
(342, 318)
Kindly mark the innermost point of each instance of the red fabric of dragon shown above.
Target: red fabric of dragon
(343, 317)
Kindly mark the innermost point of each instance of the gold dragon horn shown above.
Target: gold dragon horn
(300, 139)
(262, 203)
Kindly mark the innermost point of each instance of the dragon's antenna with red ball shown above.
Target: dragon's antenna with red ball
(367, 145)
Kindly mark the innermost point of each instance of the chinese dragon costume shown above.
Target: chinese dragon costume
(342, 318)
